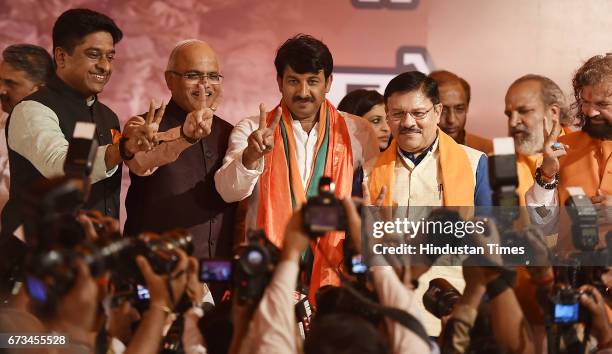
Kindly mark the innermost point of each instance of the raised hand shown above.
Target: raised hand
(261, 141)
(142, 133)
(198, 123)
(552, 149)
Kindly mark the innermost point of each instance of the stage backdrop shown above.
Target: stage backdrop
(489, 43)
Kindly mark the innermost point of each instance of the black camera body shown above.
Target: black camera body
(324, 212)
(566, 308)
(441, 297)
(253, 267)
(50, 273)
(585, 231)
(503, 178)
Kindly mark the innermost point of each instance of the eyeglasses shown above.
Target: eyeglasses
(193, 77)
(397, 116)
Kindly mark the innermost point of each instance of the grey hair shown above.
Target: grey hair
(35, 61)
(180, 45)
(551, 94)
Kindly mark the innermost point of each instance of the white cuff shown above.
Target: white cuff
(99, 171)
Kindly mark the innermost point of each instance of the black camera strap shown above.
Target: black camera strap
(400, 316)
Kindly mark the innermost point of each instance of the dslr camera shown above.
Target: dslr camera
(324, 212)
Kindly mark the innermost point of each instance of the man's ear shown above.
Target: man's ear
(59, 54)
(328, 83)
(554, 111)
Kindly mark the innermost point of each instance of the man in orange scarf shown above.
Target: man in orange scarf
(424, 167)
(531, 101)
(581, 158)
(277, 159)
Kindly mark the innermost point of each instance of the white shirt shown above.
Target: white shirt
(35, 134)
(235, 182)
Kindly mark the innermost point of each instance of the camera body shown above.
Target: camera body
(324, 212)
(441, 297)
(566, 308)
(50, 273)
(253, 266)
(585, 231)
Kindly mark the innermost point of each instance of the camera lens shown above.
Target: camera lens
(255, 257)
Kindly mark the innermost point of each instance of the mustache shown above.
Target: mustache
(517, 130)
(410, 130)
(303, 99)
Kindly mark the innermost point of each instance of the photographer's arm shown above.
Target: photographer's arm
(455, 337)
(274, 326)
(510, 326)
(148, 336)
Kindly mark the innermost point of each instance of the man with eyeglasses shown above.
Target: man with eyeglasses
(579, 159)
(425, 168)
(278, 158)
(172, 185)
(455, 98)
(40, 127)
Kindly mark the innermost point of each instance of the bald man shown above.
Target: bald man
(172, 185)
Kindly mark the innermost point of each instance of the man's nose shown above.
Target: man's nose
(514, 119)
(104, 64)
(304, 90)
(590, 110)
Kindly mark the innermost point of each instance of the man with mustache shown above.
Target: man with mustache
(425, 168)
(581, 158)
(40, 127)
(279, 157)
(172, 185)
(23, 70)
(455, 98)
(531, 101)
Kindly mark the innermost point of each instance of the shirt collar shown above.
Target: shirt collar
(417, 158)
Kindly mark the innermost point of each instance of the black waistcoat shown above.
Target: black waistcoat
(182, 194)
(69, 106)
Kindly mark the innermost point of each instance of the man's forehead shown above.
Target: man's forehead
(7, 71)
(290, 72)
(100, 40)
(196, 58)
(407, 99)
(600, 91)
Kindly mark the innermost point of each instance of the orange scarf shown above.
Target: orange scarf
(277, 183)
(454, 164)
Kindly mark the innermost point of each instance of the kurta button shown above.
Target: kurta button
(208, 154)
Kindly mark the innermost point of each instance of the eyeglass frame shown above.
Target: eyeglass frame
(407, 113)
(201, 76)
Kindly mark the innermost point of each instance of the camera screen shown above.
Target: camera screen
(324, 218)
(566, 313)
(142, 292)
(215, 270)
(358, 266)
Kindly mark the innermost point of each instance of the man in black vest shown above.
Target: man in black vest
(40, 127)
(172, 185)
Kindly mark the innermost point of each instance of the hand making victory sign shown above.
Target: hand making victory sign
(142, 133)
(261, 141)
(198, 123)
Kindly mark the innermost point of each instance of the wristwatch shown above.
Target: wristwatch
(546, 185)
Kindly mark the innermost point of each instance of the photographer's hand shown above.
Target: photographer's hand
(594, 302)
(158, 284)
(76, 311)
(296, 240)
(261, 141)
(148, 336)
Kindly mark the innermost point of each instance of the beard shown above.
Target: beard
(528, 143)
(601, 131)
